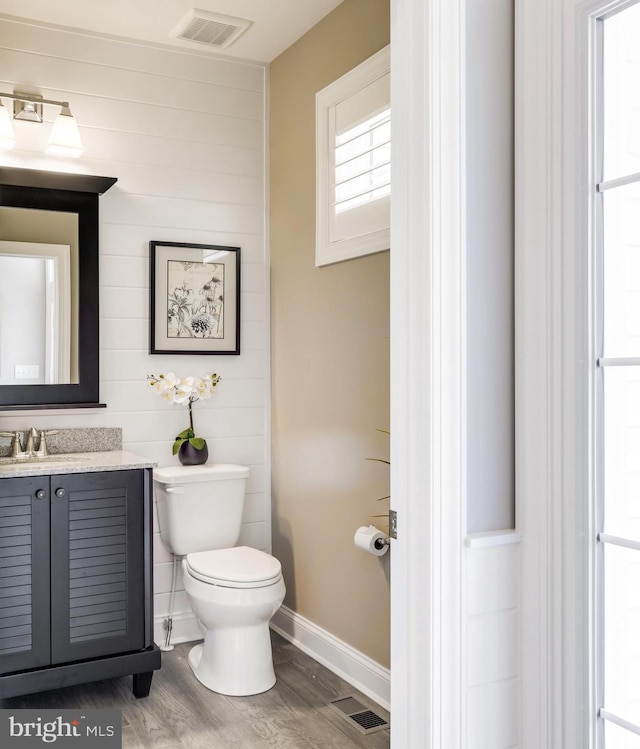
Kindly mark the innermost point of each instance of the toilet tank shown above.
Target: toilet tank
(200, 507)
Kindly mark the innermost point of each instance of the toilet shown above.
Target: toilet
(233, 590)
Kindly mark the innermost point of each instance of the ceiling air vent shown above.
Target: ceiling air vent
(212, 29)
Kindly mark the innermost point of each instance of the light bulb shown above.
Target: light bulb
(65, 137)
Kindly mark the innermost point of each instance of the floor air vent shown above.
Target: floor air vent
(359, 715)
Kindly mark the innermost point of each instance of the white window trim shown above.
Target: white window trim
(328, 250)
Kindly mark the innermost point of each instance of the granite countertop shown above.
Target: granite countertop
(82, 462)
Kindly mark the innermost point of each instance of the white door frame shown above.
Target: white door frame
(427, 371)
(536, 299)
(554, 415)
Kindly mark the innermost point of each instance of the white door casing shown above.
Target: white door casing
(427, 371)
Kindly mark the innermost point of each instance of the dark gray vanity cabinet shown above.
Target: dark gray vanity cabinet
(24, 574)
(75, 580)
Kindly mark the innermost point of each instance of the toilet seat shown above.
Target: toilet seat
(238, 567)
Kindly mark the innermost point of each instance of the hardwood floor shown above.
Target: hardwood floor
(182, 714)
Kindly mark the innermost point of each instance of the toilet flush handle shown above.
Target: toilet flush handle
(175, 490)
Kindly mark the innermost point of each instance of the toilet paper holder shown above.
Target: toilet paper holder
(380, 543)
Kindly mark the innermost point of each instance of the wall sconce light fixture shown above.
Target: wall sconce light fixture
(7, 138)
(65, 137)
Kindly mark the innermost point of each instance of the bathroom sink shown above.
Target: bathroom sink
(50, 460)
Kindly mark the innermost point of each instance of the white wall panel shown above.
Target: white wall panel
(491, 636)
(67, 77)
(160, 551)
(163, 181)
(180, 64)
(492, 716)
(244, 450)
(255, 534)
(161, 603)
(254, 508)
(134, 240)
(493, 579)
(131, 272)
(492, 641)
(257, 483)
(163, 574)
(184, 133)
(168, 122)
(123, 303)
(112, 332)
(254, 334)
(252, 305)
(137, 120)
(177, 212)
(156, 150)
(255, 277)
(135, 365)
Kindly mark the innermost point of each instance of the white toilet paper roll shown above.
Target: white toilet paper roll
(369, 538)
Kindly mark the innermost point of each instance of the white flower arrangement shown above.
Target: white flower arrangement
(187, 390)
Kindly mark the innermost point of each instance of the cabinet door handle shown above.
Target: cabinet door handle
(41, 494)
(61, 492)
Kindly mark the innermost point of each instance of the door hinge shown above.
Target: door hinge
(393, 524)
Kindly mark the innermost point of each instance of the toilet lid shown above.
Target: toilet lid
(240, 567)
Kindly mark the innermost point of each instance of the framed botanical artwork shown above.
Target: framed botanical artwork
(194, 298)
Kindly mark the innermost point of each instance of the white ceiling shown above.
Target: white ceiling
(276, 23)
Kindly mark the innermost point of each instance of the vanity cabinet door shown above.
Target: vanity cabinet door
(24, 574)
(97, 564)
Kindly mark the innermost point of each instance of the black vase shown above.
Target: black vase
(189, 455)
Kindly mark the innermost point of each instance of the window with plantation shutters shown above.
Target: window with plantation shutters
(353, 163)
(362, 171)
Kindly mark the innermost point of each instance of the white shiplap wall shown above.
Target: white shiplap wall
(184, 133)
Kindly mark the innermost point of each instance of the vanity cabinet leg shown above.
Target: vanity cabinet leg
(142, 684)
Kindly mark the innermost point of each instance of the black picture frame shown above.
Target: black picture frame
(194, 298)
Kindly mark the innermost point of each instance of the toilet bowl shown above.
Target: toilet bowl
(233, 590)
(234, 610)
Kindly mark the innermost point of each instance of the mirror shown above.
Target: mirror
(49, 289)
(38, 334)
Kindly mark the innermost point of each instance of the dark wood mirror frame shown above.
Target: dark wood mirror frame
(71, 193)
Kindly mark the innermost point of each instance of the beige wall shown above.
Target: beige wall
(330, 358)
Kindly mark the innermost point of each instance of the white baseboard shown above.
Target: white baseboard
(343, 660)
(185, 628)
